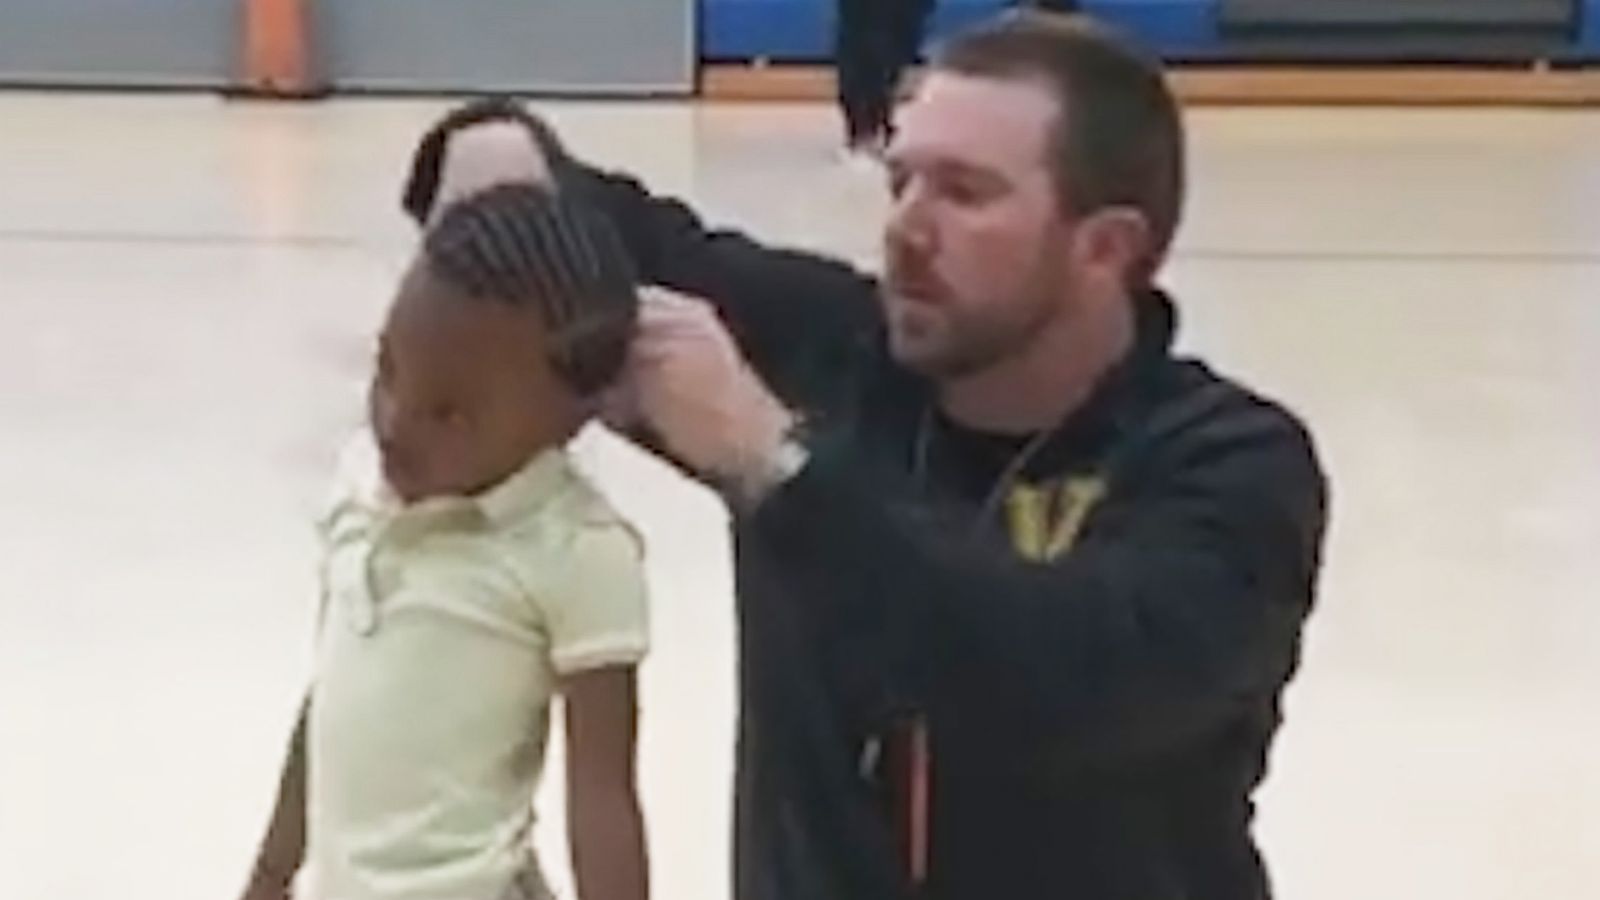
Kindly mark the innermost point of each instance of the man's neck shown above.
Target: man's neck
(1039, 388)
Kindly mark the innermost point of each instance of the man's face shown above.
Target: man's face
(463, 395)
(976, 249)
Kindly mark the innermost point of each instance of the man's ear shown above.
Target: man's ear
(1114, 242)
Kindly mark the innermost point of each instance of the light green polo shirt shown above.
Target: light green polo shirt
(446, 626)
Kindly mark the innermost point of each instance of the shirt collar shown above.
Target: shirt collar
(1120, 395)
(1122, 392)
(519, 494)
(527, 489)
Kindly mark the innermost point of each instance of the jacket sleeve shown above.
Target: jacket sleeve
(795, 315)
(1182, 605)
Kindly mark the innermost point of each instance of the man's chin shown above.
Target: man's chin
(916, 339)
(919, 353)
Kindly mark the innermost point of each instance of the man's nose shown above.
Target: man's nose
(909, 226)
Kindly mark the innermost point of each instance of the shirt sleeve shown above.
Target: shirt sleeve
(352, 475)
(596, 607)
(798, 317)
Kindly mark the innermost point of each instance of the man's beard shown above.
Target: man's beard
(945, 340)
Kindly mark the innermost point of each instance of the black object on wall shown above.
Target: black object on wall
(1399, 30)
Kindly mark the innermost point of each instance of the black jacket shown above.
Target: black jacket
(1094, 654)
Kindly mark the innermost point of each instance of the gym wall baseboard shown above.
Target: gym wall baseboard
(1250, 85)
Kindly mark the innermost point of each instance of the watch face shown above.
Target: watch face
(792, 457)
(775, 469)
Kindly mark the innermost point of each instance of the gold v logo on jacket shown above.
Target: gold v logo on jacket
(1045, 520)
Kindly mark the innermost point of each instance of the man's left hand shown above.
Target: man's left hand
(689, 384)
(488, 155)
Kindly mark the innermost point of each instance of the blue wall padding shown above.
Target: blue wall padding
(1589, 42)
(799, 30)
(1171, 28)
(802, 30)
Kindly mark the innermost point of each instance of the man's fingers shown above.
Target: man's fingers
(624, 418)
(662, 345)
(657, 318)
(667, 321)
(665, 298)
(661, 307)
(654, 338)
(680, 320)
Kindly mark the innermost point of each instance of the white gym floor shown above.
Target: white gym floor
(187, 293)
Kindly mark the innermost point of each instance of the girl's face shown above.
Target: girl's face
(464, 394)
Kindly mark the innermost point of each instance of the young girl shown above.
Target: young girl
(470, 575)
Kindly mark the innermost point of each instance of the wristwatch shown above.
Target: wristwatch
(775, 468)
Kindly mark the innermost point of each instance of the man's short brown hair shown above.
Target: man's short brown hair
(1119, 138)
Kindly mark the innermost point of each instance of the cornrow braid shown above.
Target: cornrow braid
(526, 246)
(427, 161)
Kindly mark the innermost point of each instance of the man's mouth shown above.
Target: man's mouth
(917, 290)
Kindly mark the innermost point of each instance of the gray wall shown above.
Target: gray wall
(578, 45)
(565, 46)
(122, 42)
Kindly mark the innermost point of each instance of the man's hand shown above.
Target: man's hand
(487, 155)
(689, 385)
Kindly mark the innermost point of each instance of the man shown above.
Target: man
(1019, 590)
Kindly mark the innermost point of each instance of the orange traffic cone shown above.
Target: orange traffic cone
(278, 57)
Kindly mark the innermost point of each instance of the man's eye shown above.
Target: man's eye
(963, 193)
